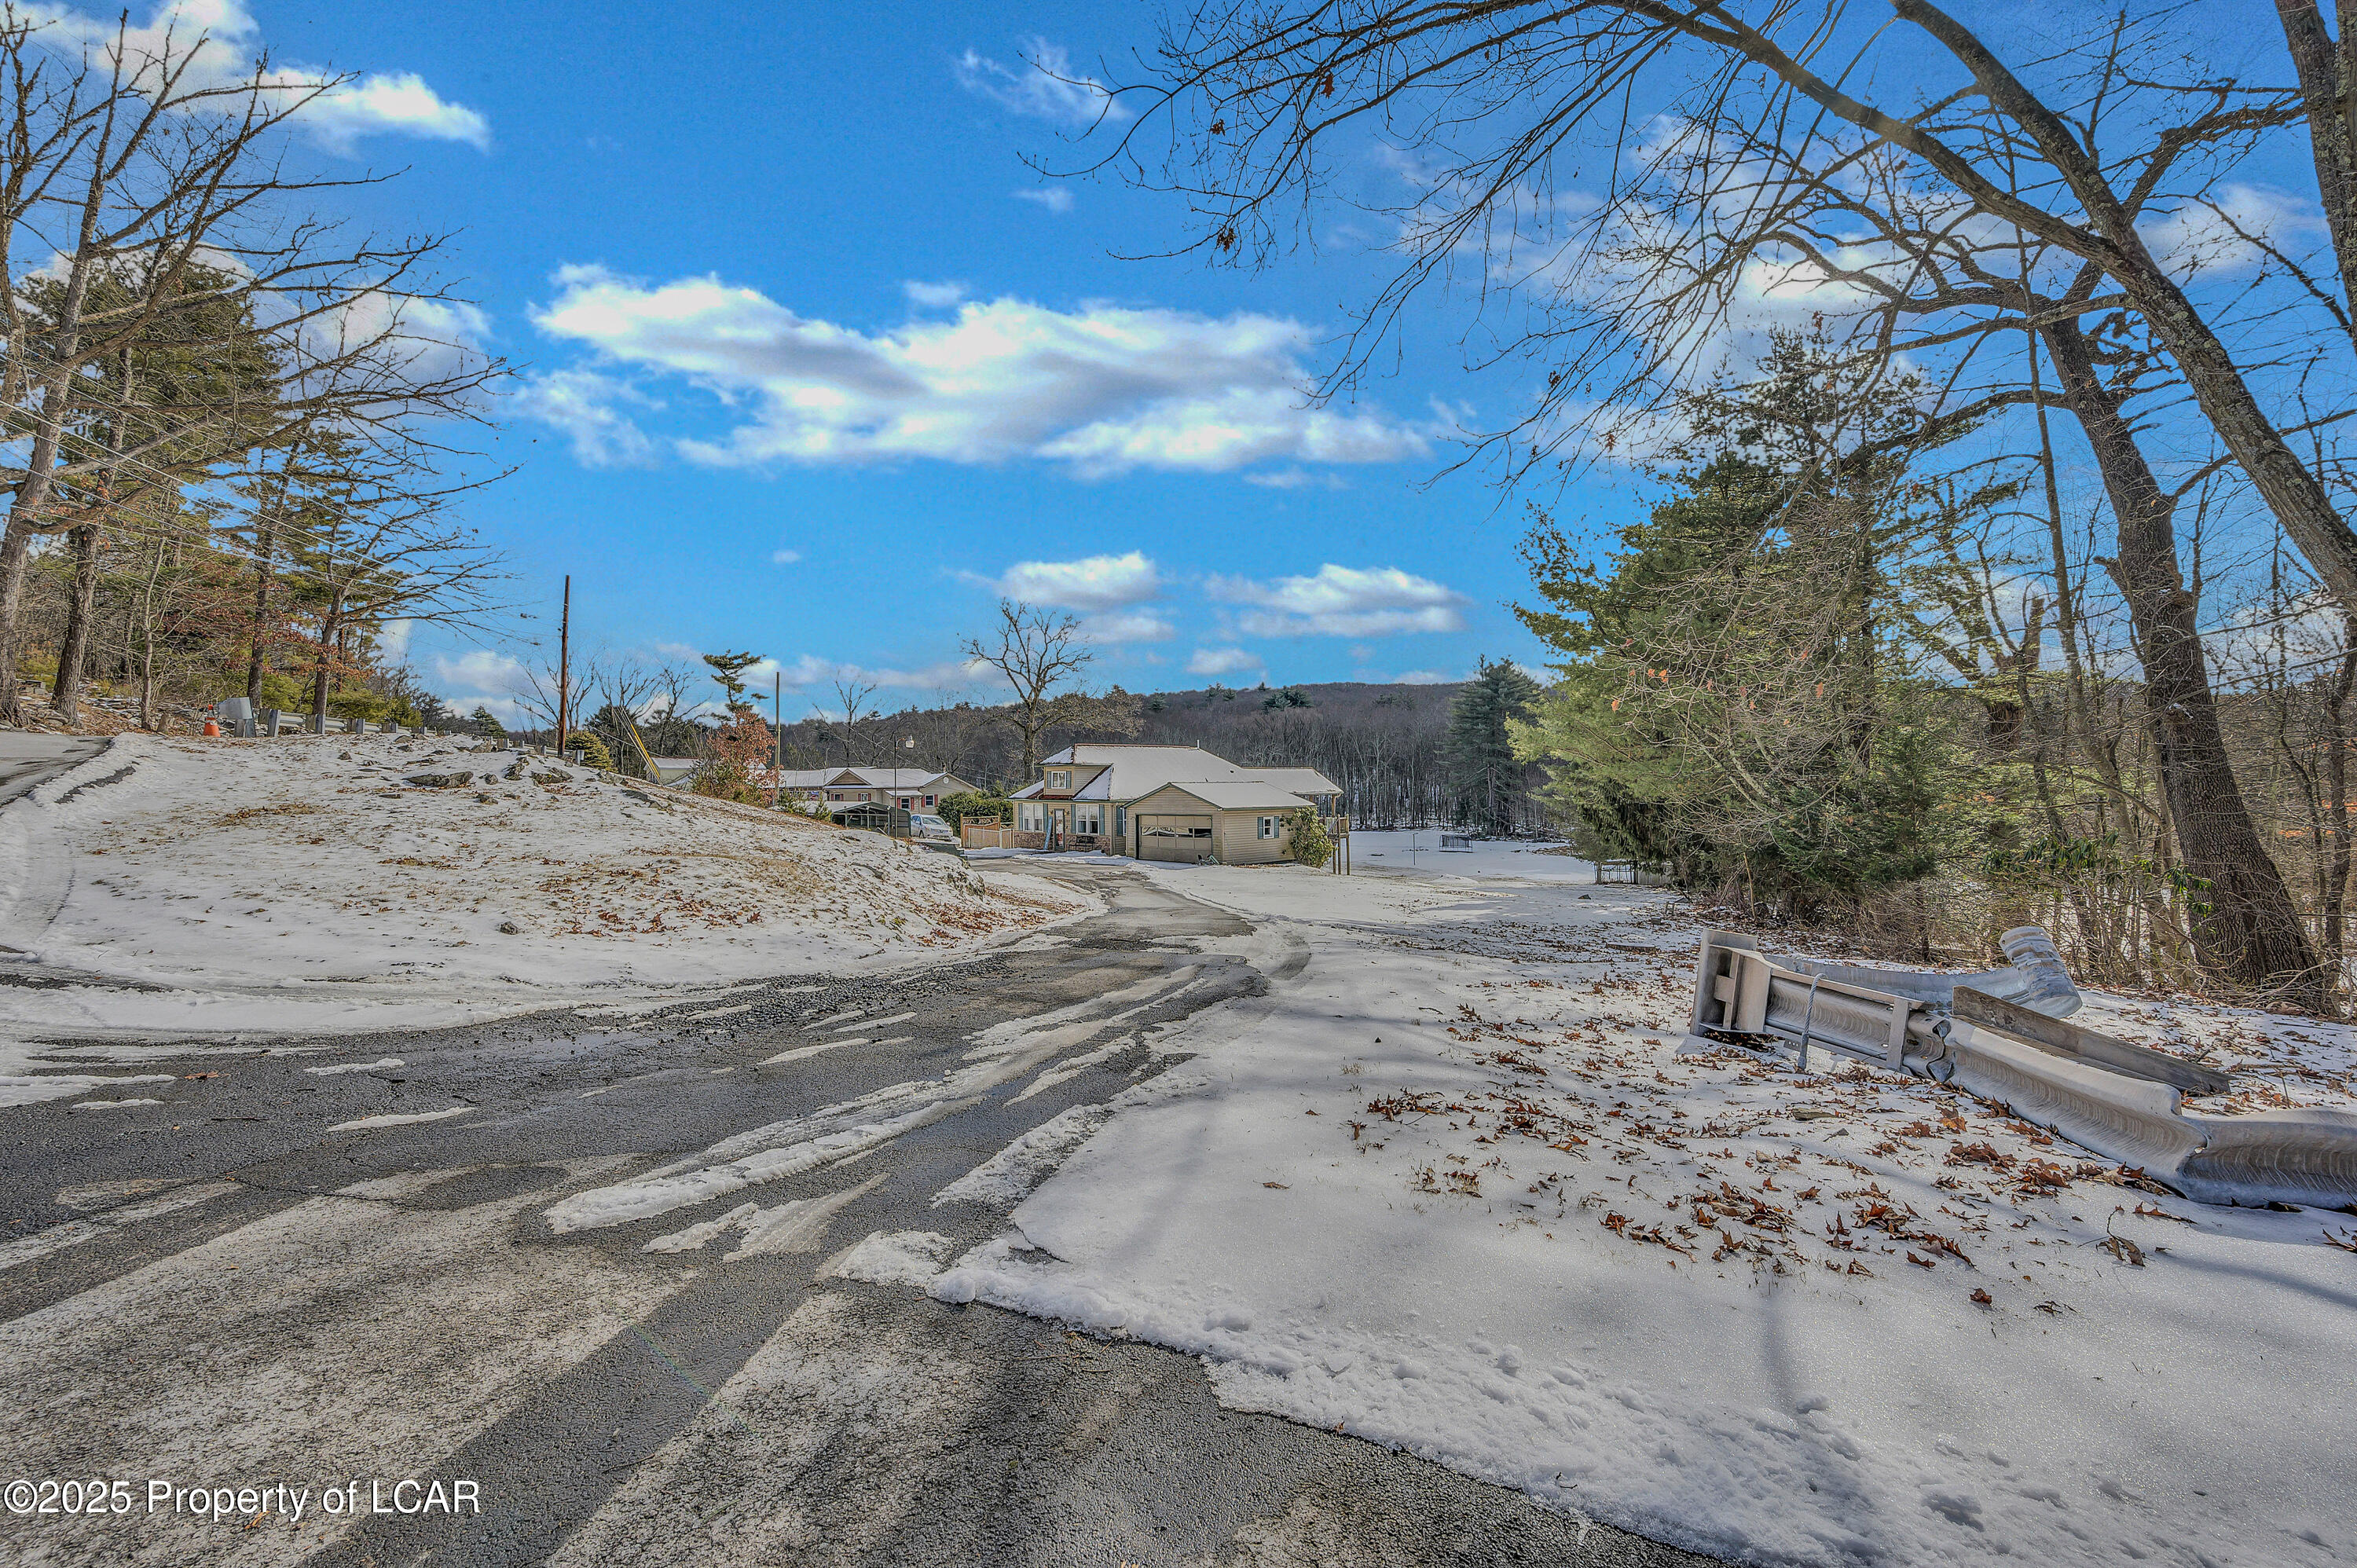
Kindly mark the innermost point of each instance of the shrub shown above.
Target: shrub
(728, 775)
(974, 806)
(593, 750)
(1311, 847)
(358, 702)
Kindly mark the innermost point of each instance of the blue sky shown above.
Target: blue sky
(814, 364)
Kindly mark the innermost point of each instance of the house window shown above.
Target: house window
(1060, 780)
(1268, 827)
(1088, 820)
(1030, 817)
(928, 802)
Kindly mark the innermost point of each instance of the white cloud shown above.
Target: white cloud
(392, 639)
(479, 673)
(1228, 428)
(1341, 601)
(1054, 198)
(1105, 389)
(1220, 661)
(1292, 479)
(934, 296)
(1127, 625)
(399, 104)
(784, 557)
(1041, 83)
(581, 404)
(1110, 590)
(817, 676)
(1093, 582)
(2223, 232)
(1423, 678)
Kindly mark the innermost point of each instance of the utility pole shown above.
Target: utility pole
(778, 717)
(564, 663)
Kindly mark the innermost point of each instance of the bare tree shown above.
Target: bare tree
(167, 206)
(1038, 650)
(852, 694)
(375, 551)
(1493, 94)
(2003, 201)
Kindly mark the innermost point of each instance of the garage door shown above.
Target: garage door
(1184, 839)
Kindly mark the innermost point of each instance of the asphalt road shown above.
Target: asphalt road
(231, 1289)
(28, 760)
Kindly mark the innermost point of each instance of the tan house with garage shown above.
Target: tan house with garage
(1230, 822)
(1201, 805)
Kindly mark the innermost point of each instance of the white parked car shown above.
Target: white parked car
(924, 825)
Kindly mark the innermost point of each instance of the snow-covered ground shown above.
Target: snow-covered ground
(1449, 1186)
(1419, 853)
(305, 885)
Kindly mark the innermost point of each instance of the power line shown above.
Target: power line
(286, 525)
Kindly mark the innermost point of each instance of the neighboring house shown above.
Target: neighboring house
(804, 784)
(1203, 807)
(910, 788)
(841, 792)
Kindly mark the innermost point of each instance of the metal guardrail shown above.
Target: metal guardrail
(2001, 1036)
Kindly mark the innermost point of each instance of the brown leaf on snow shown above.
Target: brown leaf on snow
(2040, 1177)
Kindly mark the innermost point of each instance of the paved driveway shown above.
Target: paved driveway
(27, 758)
(272, 1275)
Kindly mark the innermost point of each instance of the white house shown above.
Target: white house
(1168, 803)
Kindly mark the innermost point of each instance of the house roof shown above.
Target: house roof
(1131, 771)
(1237, 794)
(1300, 781)
(797, 778)
(896, 777)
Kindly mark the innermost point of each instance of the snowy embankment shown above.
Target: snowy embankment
(1449, 1186)
(322, 885)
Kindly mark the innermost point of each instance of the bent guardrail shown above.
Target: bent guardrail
(2001, 1036)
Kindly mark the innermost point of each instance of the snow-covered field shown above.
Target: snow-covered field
(1449, 1186)
(1419, 853)
(306, 885)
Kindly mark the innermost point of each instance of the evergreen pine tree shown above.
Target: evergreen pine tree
(1485, 780)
